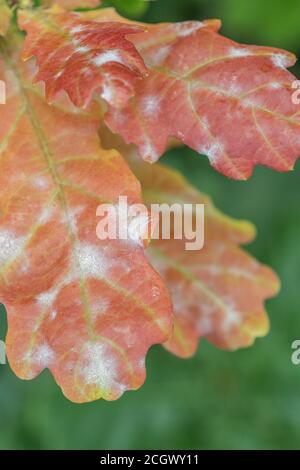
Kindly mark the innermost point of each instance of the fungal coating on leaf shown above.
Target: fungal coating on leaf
(230, 102)
(234, 101)
(218, 292)
(77, 305)
(82, 57)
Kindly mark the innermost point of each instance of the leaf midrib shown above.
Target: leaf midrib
(49, 160)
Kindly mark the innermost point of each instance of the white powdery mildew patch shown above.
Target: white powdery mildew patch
(149, 153)
(234, 89)
(150, 105)
(180, 300)
(100, 307)
(274, 85)
(204, 325)
(70, 218)
(46, 299)
(117, 117)
(10, 245)
(40, 182)
(280, 60)
(141, 364)
(25, 265)
(163, 324)
(253, 102)
(106, 57)
(82, 49)
(46, 215)
(127, 334)
(180, 135)
(92, 261)
(107, 93)
(53, 315)
(231, 316)
(100, 368)
(43, 356)
(213, 151)
(239, 52)
(188, 28)
(124, 266)
(159, 56)
(77, 29)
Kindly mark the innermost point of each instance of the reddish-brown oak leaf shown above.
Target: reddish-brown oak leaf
(81, 56)
(229, 101)
(218, 292)
(86, 309)
(5, 17)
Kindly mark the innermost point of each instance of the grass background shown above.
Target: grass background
(217, 400)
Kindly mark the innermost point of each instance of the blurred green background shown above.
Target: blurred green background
(217, 400)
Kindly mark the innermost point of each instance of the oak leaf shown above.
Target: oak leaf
(82, 57)
(84, 308)
(218, 292)
(228, 101)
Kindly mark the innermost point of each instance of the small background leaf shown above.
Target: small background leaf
(218, 292)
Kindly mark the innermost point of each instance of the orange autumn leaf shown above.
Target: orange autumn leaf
(5, 17)
(235, 101)
(86, 309)
(229, 101)
(218, 292)
(82, 57)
